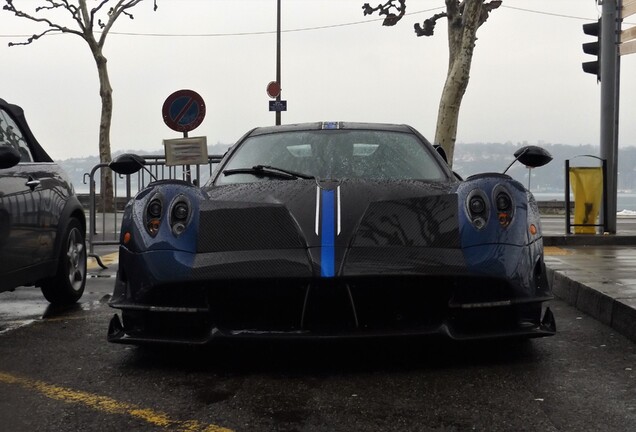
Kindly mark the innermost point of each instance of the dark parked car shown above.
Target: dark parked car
(331, 230)
(42, 223)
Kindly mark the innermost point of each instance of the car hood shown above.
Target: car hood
(342, 214)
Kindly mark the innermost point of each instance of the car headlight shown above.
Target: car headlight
(504, 204)
(153, 215)
(180, 211)
(477, 208)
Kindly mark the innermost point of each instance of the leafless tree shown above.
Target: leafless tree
(464, 19)
(91, 24)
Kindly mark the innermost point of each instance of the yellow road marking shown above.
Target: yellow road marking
(109, 405)
(111, 258)
(553, 250)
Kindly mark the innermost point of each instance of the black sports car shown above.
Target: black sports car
(331, 230)
(42, 223)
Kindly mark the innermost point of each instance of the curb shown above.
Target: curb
(589, 240)
(619, 314)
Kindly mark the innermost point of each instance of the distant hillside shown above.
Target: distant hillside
(469, 159)
(480, 157)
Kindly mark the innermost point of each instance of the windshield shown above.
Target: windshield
(340, 154)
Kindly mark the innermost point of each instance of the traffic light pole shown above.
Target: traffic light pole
(610, 70)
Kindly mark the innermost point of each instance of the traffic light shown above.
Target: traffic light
(594, 48)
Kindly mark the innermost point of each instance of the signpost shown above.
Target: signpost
(273, 89)
(278, 116)
(183, 111)
(628, 36)
(278, 105)
(628, 8)
(186, 151)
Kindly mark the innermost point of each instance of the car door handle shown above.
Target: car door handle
(33, 183)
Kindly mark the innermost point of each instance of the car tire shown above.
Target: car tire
(67, 286)
(5, 226)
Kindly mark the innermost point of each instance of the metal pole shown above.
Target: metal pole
(187, 173)
(278, 58)
(609, 113)
(567, 197)
(617, 92)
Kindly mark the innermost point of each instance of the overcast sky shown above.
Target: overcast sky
(526, 81)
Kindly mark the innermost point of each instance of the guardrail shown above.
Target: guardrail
(130, 185)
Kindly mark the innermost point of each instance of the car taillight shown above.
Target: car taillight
(154, 211)
(179, 215)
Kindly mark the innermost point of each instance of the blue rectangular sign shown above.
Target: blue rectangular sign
(278, 105)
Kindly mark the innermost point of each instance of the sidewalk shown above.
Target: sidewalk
(595, 273)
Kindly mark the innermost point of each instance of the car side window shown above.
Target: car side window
(10, 134)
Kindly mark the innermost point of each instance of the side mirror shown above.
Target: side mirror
(127, 163)
(440, 151)
(533, 156)
(9, 156)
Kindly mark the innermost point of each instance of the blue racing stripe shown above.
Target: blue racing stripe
(327, 235)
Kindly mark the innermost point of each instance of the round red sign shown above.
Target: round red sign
(183, 110)
(273, 89)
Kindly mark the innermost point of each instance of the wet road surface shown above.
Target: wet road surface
(58, 373)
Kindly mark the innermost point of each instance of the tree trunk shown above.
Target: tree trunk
(462, 31)
(106, 95)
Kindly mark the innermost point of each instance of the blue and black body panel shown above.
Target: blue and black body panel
(348, 258)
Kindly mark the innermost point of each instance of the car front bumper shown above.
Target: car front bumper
(196, 298)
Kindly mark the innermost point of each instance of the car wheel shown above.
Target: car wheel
(67, 286)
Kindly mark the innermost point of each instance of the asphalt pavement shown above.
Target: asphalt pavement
(596, 273)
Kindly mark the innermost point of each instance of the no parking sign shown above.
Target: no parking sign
(183, 110)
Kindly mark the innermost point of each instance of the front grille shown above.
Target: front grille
(257, 305)
(330, 306)
(400, 303)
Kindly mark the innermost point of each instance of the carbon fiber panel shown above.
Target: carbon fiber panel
(369, 261)
(235, 226)
(427, 221)
(290, 263)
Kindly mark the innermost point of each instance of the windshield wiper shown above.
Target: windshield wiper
(269, 171)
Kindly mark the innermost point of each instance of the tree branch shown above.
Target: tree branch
(10, 7)
(114, 13)
(455, 11)
(385, 9)
(488, 7)
(428, 26)
(95, 10)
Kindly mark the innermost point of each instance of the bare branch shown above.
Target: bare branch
(455, 12)
(428, 26)
(53, 27)
(52, 5)
(488, 7)
(32, 38)
(95, 10)
(385, 9)
(114, 13)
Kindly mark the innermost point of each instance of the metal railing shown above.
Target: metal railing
(129, 185)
